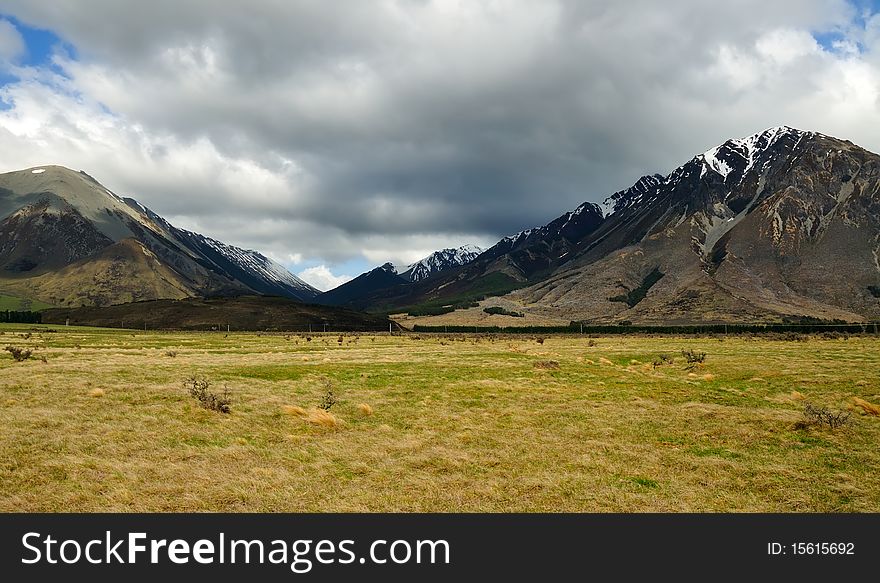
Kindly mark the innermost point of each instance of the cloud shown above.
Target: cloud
(11, 42)
(388, 130)
(322, 278)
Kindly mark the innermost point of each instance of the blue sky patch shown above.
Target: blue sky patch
(39, 43)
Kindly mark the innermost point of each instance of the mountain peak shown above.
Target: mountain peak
(740, 155)
(53, 217)
(441, 261)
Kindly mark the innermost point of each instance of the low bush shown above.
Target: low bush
(823, 416)
(199, 389)
(547, 364)
(693, 358)
(663, 359)
(19, 354)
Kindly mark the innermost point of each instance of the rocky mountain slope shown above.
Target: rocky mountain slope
(781, 224)
(67, 240)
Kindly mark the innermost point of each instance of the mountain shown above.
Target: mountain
(364, 285)
(67, 240)
(782, 224)
(514, 262)
(388, 279)
(439, 261)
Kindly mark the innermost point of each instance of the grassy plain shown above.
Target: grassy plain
(16, 303)
(434, 423)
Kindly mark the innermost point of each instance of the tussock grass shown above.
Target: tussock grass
(294, 410)
(365, 409)
(96, 393)
(313, 415)
(867, 407)
(464, 425)
(323, 418)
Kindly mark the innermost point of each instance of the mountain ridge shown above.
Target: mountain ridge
(772, 225)
(55, 217)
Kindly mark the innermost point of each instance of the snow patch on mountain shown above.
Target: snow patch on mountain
(441, 261)
(743, 153)
(639, 193)
(256, 263)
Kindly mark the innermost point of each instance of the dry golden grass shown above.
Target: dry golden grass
(294, 410)
(466, 424)
(96, 393)
(365, 409)
(867, 407)
(314, 415)
(323, 418)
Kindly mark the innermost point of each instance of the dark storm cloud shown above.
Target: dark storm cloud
(392, 120)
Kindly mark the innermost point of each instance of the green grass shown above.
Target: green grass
(493, 284)
(459, 423)
(18, 304)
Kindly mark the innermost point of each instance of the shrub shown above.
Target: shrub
(822, 416)
(693, 357)
(198, 389)
(328, 399)
(547, 364)
(663, 359)
(19, 354)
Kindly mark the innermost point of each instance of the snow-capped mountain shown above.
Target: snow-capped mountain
(68, 240)
(440, 261)
(783, 223)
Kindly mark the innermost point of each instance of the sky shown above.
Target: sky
(336, 136)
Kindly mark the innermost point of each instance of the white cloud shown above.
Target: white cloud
(320, 277)
(388, 130)
(11, 42)
(783, 46)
